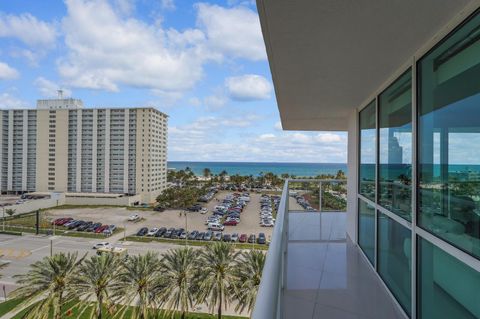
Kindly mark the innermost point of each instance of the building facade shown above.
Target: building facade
(402, 78)
(63, 147)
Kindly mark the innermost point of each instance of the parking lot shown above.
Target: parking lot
(250, 223)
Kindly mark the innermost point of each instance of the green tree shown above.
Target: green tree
(248, 273)
(48, 285)
(137, 285)
(179, 272)
(217, 262)
(10, 212)
(207, 172)
(96, 277)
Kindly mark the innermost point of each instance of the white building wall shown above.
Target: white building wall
(352, 184)
(107, 151)
(10, 152)
(126, 137)
(24, 149)
(94, 150)
(78, 169)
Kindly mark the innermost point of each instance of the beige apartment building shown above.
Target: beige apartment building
(63, 147)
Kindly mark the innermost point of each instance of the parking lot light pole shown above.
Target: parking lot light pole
(4, 218)
(186, 228)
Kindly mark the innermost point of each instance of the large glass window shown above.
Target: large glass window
(366, 229)
(449, 138)
(447, 287)
(395, 147)
(394, 259)
(368, 151)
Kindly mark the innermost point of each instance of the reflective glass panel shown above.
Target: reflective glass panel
(395, 147)
(395, 259)
(366, 229)
(367, 151)
(449, 138)
(447, 288)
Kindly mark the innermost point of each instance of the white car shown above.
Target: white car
(204, 210)
(102, 245)
(152, 231)
(134, 217)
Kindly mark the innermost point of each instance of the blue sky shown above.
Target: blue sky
(202, 63)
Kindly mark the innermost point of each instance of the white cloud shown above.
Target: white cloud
(7, 72)
(106, 51)
(194, 101)
(234, 31)
(125, 6)
(50, 89)
(278, 126)
(9, 101)
(215, 102)
(248, 87)
(184, 142)
(168, 4)
(28, 29)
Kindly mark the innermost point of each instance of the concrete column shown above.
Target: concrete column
(78, 169)
(10, 151)
(24, 149)
(94, 150)
(126, 136)
(107, 151)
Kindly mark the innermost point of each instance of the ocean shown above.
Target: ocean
(256, 168)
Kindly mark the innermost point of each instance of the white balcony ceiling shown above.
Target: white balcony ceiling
(329, 56)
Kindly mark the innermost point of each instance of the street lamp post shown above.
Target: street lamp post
(186, 227)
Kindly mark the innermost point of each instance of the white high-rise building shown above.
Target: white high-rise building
(63, 147)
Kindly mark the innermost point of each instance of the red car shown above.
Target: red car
(230, 223)
(101, 229)
(62, 221)
(243, 238)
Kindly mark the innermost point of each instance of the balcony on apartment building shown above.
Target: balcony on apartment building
(313, 269)
(401, 77)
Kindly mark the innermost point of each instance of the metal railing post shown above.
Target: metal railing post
(320, 197)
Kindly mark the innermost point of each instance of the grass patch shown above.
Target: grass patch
(11, 232)
(198, 243)
(84, 206)
(58, 232)
(7, 306)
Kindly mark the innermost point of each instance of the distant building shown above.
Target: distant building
(63, 147)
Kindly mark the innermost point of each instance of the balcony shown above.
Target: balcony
(313, 269)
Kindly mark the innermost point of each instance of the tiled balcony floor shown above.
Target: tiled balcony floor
(327, 277)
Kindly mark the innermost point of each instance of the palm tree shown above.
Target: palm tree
(137, 285)
(217, 275)
(207, 172)
(179, 273)
(248, 273)
(96, 277)
(48, 285)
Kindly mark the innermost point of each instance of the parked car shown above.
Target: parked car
(102, 245)
(93, 227)
(252, 238)
(183, 235)
(230, 222)
(152, 231)
(169, 232)
(242, 238)
(208, 235)
(133, 218)
(227, 237)
(217, 236)
(159, 209)
(100, 229)
(142, 231)
(200, 236)
(261, 239)
(215, 227)
(193, 235)
(204, 210)
(234, 237)
(161, 232)
(84, 226)
(75, 224)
